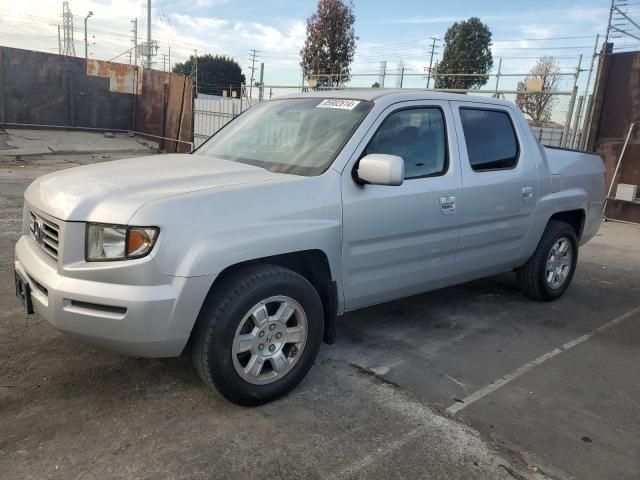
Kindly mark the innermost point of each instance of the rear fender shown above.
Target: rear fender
(575, 199)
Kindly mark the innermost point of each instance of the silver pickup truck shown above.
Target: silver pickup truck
(245, 251)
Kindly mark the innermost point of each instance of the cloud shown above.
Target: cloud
(539, 31)
(421, 20)
(209, 3)
(267, 37)
(176, 24)
(200, 23)
(213, 27)
(571, 16)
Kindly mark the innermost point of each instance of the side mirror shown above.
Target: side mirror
(381, 169)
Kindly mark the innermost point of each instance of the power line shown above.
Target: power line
(575, 47)
(620, 21)
(413, 52)
(387, 46)
(543, 39)
(121, 54)
(68, 47)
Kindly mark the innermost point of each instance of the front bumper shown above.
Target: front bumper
(143, 320)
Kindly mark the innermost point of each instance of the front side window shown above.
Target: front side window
(418, 136)
(300, 136)
(490, 138)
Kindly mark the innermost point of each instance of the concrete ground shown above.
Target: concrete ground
(24, 143)
(473, 381)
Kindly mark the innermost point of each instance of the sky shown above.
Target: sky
(393, 31)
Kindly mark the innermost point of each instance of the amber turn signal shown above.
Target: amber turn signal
(139, 241)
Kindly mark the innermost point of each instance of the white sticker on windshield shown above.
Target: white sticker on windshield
(340, 103)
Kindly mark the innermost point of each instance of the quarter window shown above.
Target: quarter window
(418, 136)
(490, 138)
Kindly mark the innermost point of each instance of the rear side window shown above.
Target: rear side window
(490, 138)
(418, 136)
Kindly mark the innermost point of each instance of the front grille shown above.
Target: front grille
(45, 234)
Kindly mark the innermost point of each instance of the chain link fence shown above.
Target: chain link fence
(559, 125)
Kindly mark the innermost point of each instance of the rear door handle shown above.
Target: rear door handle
(527, 193)
(448, 204)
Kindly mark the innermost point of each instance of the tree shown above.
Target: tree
(467, 50)
(376, 85)
(539, 105)
(330, 44)
(215, 73)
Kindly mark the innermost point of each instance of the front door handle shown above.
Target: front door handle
(448, 204)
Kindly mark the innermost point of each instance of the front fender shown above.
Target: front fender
(216, 252)
(202, 233)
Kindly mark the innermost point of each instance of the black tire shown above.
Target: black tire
(220, 318)
(532, 275)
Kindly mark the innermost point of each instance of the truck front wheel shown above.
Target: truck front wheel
(258, 334)
(548, 273)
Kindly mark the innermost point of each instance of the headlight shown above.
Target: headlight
(118, 242)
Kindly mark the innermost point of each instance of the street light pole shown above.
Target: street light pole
(86, 41)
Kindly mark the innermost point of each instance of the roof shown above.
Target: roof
(392, 95)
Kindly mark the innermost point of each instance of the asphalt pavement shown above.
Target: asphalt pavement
(473, 381)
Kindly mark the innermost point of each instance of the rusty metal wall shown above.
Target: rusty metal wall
(185, 131)
(45, 89)
(150, 101)
(122, 77)
(616, 106)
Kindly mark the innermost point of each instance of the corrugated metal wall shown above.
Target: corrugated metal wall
(616, 106)
(212, 113)
(45, 89)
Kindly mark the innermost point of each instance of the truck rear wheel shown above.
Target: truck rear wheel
(549, 271)
(258, 334)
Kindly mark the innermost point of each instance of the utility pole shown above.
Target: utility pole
(495, 92)
(586, 95)
(383, 73)
(86, 41)
(400, 78)
(606, 40)
(620, 22)
(194, 71)
(148, 33)
(261, 91)
(433, 49)
(134, 30)
(572, 102)
(68, 47)
(252, 68)
(435, 75)
(59, 42)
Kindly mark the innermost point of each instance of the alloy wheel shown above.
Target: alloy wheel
(269, 340)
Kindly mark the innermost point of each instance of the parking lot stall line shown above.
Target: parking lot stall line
(499, 383)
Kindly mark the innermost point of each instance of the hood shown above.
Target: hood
(111, 192)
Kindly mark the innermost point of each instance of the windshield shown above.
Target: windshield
(298, 136)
